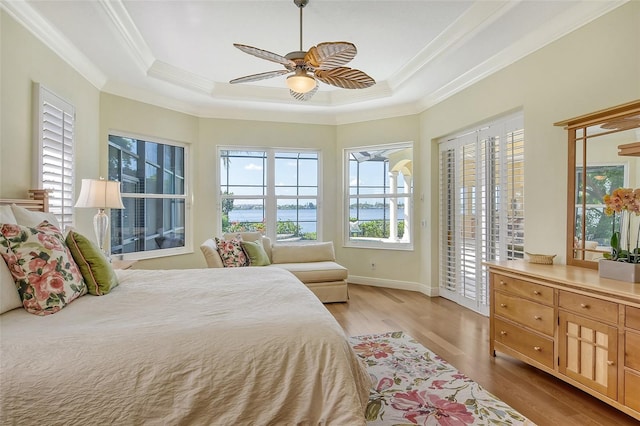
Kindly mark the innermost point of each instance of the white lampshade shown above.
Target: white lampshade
(100, 194)
(301, 82)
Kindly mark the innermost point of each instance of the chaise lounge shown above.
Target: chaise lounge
(312, 263)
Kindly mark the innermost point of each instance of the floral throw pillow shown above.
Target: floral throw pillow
(231, 252)
(45, 273)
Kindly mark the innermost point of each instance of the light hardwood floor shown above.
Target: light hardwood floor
(461, 337)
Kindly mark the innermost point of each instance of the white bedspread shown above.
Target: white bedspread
(191, 347)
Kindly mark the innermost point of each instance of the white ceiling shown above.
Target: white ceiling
(179, 54)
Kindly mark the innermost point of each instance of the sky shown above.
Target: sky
(250, 171)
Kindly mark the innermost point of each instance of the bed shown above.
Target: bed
(205, 346)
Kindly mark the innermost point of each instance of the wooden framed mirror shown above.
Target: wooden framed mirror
(604, 154)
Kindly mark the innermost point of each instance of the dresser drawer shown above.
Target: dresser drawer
(632, 317)
(631, 394)
(528, 344)
(632, 350)
(589, 306)
(530, 314)
(537, 292)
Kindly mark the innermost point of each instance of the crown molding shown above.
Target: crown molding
(561, 25)
(125, 26)
(180, 77)
(380, 90)
(220, 100)
(477, 17)
(24, 14)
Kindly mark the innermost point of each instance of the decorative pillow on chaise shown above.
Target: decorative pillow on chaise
(256, 253)
(44, 271)
(26, 217)
(231, 252)
(96, 270)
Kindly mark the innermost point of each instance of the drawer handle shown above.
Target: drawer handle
(502, 282)
(503, 333)
(537, 348)
(536, 292)
(537, 317)
(584, 306)
(503, 305)
(610, 363)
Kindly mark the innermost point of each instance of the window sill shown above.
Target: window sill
(378, 244)
(153, 254)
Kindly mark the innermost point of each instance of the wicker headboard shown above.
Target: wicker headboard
(39, 200)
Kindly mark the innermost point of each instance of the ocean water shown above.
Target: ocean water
(306, 217)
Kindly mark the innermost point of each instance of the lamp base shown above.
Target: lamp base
(100, 227)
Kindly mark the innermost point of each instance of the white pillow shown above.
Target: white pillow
(9, 297)
(6, 215)
(32, 219)
(302, 253)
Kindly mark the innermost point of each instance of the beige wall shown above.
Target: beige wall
(594, 67)
(392, 266)
(26, 60)
(148, 121)
(204, 135)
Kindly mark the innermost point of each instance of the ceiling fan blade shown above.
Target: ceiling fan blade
(330, 55)
(347, 78)
(265, 54)
(261, 76)
(304, 96)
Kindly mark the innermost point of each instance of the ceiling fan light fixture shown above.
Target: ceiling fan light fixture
(301, 82)
(323, 62)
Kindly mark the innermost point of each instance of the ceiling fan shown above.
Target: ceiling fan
(323, 62)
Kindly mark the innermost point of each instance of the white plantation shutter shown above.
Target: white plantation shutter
(54, 143)
(481, 207)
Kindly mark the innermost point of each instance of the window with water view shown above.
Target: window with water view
(272, 191)
(380, 196)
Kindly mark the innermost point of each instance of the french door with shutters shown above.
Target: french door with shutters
(481, 207)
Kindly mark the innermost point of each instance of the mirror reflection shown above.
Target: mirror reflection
(607, 156)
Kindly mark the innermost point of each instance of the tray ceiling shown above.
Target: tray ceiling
(179, 54)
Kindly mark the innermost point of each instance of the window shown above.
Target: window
(54, 152)
(379, 190)
(154, 190)
(601, 179)
(273, 191)
(481, 207)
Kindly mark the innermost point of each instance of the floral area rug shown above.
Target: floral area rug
(414, 386)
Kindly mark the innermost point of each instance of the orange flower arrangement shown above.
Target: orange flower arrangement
(624, 201)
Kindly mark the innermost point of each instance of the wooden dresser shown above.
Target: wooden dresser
(571, 323)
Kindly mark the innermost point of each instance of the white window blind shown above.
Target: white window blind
(481, 207)
(55, 134)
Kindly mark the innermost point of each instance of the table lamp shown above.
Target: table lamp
(101, 194)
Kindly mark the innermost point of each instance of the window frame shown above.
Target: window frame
(270, 198)
(605, 247)
(187, 248)
(64, 202)
(382, 243)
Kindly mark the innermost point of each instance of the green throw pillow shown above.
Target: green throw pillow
(95, 268)
(255, 252)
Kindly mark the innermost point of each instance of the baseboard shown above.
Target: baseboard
(400, 285)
